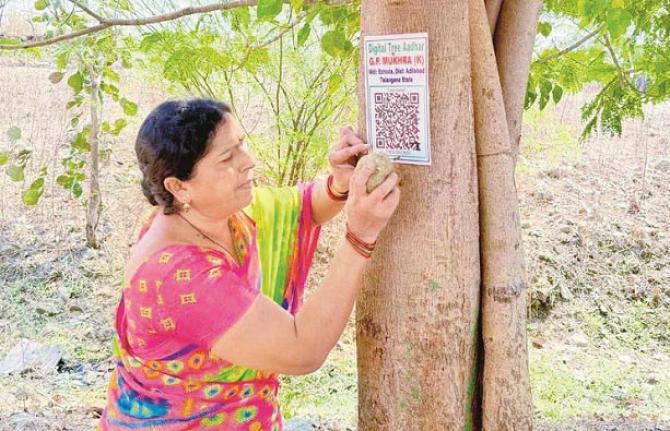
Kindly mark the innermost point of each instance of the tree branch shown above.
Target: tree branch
(572, 47)
(276, 37)
(608, 45)
(135, 22)
(88, 11)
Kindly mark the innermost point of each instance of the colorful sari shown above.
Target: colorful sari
(182, 298)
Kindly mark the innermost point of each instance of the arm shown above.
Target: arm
(268, 338)
(323, 207)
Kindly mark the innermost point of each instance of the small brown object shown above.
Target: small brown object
(383, 168)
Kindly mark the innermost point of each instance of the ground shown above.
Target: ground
(595, 218)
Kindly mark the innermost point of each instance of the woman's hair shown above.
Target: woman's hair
(171, 140)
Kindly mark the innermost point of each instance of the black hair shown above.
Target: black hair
(171, 140)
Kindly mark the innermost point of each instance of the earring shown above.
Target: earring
(185, 207)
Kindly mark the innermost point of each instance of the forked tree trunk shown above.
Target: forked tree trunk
(417, 316)
(492, 13)
(507, 404)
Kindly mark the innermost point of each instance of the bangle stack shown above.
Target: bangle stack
(363, 248)
(332, 193)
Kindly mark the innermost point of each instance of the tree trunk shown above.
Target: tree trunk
(507, 404)
(94, 204)
(417, 315)
(514, 40)
(492, 13)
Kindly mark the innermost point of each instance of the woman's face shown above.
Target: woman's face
(221, 182)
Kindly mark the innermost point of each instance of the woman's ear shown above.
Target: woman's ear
(178, 189)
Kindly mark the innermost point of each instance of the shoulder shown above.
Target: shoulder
(179, 263)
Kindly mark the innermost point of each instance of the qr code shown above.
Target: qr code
(397, 121)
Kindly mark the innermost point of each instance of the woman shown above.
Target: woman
(211, 307)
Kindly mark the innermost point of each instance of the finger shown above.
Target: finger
(360, 178)
(393, 198)
(385, 187)
(343, 155)
(351, 141)
(344, 131)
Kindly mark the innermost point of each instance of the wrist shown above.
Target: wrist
(339, 187)
(362, 244)
(333, 193)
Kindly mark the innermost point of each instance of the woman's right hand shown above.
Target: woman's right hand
(368, 213)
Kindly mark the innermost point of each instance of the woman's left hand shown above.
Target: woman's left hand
(343, 158)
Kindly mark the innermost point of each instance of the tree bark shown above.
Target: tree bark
(514, 40)
(94, 204)
(493, 11)
(417, 315)
(507, 403)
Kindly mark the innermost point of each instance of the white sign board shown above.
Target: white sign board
(396, 96)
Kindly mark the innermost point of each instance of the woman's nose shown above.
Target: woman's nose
(248, 161)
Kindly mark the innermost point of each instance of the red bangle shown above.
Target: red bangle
(361, 247)
(334, 195)
(366, 245)
(357, 248)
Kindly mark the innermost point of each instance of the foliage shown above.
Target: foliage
(297, 88)
(627, 55)
(82, 63)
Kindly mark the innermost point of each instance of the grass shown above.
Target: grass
(597, 383)
(546, 141)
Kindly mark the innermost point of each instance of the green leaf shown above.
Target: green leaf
(334, 83)
(545, 92)
(129, 108)
(303, 34)
(62, 59)
(31, 196)
(65, 181)
(56, 77)
(557, 93)
(268, 9)
(256, 58)
(110, 74)
(119, 125)
(76, 81)
(9, 41)
(80, 143)
(74, 102)
(41, 4)
(15, 172)
(335, 44)
(110, 89)
(38, 183)
(618, 3)
(241, 18)
(618, 21)
(76, 189)
(4, 158)
(14, 133)
(544, 28)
